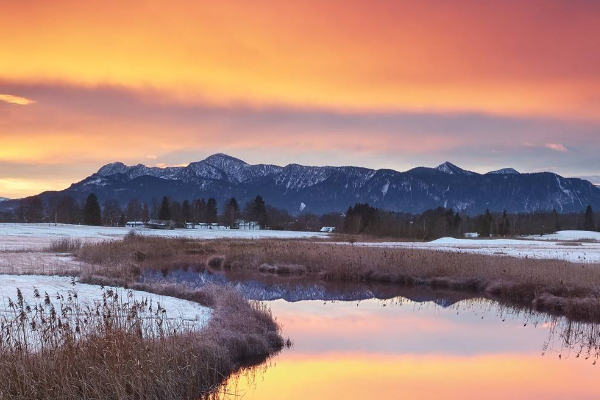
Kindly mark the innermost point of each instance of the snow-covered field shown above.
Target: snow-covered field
(37, 236)
(179, 311)
(38, 262)
(548, 249)
(573, 246)
(568, 236)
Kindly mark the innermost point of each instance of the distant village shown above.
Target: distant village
(170, 224)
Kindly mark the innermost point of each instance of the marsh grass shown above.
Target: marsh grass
(64, 245)
(555, 286)
(123, 349)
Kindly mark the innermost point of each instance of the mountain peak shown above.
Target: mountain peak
(113, 168)
(505, 171)
(449, 168)
(219, 159)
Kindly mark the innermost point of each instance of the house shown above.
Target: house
(327, 229)
(247, 225)
(212, 226)
(471, 235)
(134, 224)
(160, 224)
(189, 225)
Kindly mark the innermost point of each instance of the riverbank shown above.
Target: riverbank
(556, 286)
(66, 346)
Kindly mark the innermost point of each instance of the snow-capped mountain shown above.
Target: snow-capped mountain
(3, 199)
(505, 171)
(299, 188)
(449, 168)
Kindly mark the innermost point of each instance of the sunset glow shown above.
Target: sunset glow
(485, 84)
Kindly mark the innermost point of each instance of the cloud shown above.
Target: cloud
(428, 55)
(559, 147)
(556, 147)
(21, 101)
(83, 128)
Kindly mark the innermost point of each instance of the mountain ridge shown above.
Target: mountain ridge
(317, 189)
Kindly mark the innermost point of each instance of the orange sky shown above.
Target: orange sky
(78, 77)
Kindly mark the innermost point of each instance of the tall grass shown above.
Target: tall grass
(64, 245)
(121, 349)
(550, 285)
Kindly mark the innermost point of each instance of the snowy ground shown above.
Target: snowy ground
(178, 311)
(38, 262)
(548, 249)
(37, 236)
(568, 236)
(573, 246)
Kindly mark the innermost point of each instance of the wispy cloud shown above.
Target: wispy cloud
(556, 147)
(21, 101)
(550, 146)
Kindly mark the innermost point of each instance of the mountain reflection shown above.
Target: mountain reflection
(357, 341)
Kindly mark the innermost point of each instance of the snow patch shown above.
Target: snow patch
(539, 249)
(385, 188)
(22, 236)
(191, 314)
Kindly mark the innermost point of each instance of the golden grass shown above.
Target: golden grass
(549, 285)
(105, 353)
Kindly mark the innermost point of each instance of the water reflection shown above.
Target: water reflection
(411, 343)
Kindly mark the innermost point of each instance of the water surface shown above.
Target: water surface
(386, 342)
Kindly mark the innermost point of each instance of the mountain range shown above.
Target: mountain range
(297, 188)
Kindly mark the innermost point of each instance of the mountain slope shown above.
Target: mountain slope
(326, 189)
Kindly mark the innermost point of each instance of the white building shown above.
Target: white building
(134, 224)
(247, 225)
(213, 226)
(327, 229)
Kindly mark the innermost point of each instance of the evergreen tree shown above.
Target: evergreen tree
(485, 225)
(145, 213)
(165, 209)
(231, 213)
(457, 223)
(556, 220)
(211, 211)
(91, 211)
(588, 219)
(361, 218)
(199, 207)
(504, 225)
(186, 211)
(258, 211)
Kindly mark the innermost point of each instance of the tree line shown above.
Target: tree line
(361, 218)
(442, 222)
(67, 210)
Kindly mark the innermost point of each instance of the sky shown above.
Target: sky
(380, 83)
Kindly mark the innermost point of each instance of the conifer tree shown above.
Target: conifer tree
(258, 211)
(231, 213)
(91, 211)
(588, 219)
(211, 210)
(165, 209)
(186, 211)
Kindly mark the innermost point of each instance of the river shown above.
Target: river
(386, 342)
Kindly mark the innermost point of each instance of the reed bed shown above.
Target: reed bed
(60, 349)
(550, 285)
